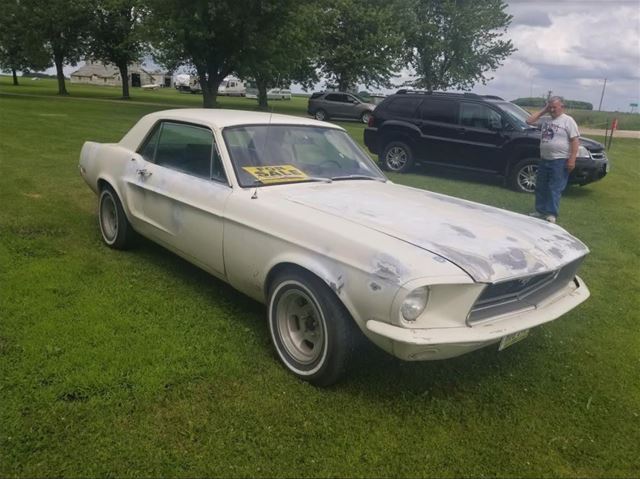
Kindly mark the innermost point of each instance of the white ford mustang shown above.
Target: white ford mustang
(291, 212)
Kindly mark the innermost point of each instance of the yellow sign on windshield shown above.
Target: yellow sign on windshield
(275, 174)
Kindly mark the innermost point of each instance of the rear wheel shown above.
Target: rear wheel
(311, 329)
(365, 117)
(321, 115)
(522, 177)
(114, 226)
(397, 157)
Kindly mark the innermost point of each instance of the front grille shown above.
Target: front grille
(598, 155)
(510, 296)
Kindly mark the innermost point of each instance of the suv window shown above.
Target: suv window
(186, 148)
(341, 97)
(443, 111)
(479, 116)
(402, 106)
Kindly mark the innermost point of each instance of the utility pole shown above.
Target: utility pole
(602, 96)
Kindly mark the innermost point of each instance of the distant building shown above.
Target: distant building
(98, 73)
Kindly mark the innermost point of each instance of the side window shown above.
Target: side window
(442, 111)
(148, 150)
(475, 115)
(402, 106)
(189, 149)
(333, 97)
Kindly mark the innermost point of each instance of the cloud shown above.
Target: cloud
(570, 47)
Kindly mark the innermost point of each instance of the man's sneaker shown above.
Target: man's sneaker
(535, 214)
(550, 218)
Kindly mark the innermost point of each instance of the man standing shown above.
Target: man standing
(559, 145)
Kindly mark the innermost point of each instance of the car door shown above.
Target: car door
(180, 192)
(480, 137)
(438, 125)
(338, 104)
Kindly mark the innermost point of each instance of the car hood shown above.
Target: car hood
(591, 145)
(488, 243)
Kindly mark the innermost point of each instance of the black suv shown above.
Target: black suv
(468, 131)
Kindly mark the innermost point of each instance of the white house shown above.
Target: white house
(98, 73)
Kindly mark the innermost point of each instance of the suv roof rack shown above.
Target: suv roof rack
(405, 91)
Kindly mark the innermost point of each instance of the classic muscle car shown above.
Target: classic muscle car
(291, 212)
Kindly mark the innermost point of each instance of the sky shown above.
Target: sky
(570, 47)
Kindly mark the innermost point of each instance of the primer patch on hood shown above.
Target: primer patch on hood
(490, 244)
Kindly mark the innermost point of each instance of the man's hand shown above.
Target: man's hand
(570, 165)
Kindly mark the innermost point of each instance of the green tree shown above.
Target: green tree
(283, 51)
(362, 41)
(211, 36)
(20, 46)
(116, 35)
(63, 24)
(455, 42)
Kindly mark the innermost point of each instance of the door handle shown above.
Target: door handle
(144, 173)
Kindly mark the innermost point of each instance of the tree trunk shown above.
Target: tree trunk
(62, 89)
(343, 84)
(124, 75)
(15, 77)
(262, 94)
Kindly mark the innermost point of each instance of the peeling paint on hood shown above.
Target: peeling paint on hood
(490, 244)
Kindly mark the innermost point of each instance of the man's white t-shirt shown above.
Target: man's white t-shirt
(556, 133)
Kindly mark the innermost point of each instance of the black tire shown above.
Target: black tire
(397, 157)
(311, 330)
(364, 118)
(522, 177)
(321, 115)
(115, 228)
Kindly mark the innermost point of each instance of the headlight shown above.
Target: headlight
(583, 152)
(414, 304)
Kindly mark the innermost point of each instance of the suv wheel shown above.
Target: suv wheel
(321, 115)
(523, 176)
(365, 117)
(397, 157)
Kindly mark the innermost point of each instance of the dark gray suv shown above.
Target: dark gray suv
(326, 105)
(485, 134)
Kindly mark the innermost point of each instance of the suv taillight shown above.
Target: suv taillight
(371, 120)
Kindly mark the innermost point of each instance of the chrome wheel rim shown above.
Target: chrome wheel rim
(108, 218)
(365, 117)
(300, 326)
(527, 178)
(396, 158)
(320, 115)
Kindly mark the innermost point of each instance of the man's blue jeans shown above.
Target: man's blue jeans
(550, 183)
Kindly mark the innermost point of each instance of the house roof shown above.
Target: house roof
(107, 70)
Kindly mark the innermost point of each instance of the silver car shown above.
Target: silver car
(323, 106)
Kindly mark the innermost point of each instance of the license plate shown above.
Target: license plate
(510, 339)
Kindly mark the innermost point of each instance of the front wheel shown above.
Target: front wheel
(397, 157)
(311, 329)
(365, 117)
(116, 231)
(523, 175)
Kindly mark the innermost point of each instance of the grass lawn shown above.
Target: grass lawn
(138, 364)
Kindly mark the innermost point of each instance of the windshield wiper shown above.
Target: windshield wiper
(359, 177)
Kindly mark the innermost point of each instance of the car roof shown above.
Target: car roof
(221, 118)
(216, 119)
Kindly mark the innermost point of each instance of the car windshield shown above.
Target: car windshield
(275, 154)
(517, 114)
